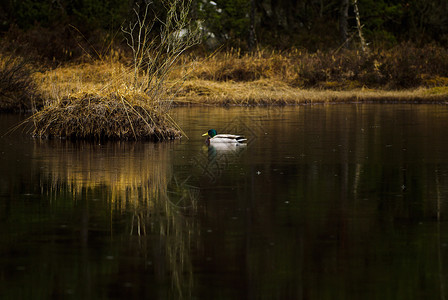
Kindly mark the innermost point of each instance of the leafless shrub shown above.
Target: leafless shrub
(124, 108)
(155, 55)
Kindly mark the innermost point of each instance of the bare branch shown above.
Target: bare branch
(155, 54)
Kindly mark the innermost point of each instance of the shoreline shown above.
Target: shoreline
(204, 85)
(226, 79)
(251, 95)
(240, 98)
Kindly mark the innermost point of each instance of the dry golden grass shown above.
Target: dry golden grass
(77, 80)
(95, 101)
(99, 100)
(269, 92)
(16, 84)
(269, 87)
(94, 117)
(297, 77)
(234, 66)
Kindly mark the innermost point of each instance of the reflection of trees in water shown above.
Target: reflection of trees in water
(147, 205)
(161, 224)
(386, 204)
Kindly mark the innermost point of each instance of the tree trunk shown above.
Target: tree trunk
(359, 26)
(343, 22)
(252, 38)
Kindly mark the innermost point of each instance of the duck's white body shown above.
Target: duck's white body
(227, 138)
(215, 139)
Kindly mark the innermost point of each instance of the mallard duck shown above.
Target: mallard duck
(215, 138)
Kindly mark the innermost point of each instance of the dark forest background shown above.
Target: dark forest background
(279, 24)
(324, 44)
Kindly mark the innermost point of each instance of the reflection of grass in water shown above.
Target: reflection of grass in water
(123, 167)
(160, 218)
(138, 185)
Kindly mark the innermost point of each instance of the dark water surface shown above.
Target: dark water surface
(325, 202)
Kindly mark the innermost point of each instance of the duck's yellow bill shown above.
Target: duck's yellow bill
(205, 134)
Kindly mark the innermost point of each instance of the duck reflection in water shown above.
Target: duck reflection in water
(223, 149)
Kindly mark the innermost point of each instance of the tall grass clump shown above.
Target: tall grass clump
(402, 67)
(135, 104)
(242, 67)
(407, 66)
(17, 88)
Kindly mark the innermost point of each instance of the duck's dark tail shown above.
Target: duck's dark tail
(241, 139)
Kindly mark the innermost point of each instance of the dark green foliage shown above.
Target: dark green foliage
(53, 46)
(302, 24)
(420, 21)
(59, 31)
(227, 19)
(88, 14)
(282, 24)
(382, 20)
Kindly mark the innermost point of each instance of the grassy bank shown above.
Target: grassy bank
(270, 78)
(212, 82)
(97, 99)
(265, 92)
(105, 99)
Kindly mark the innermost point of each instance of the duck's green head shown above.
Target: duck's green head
(211, 133)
